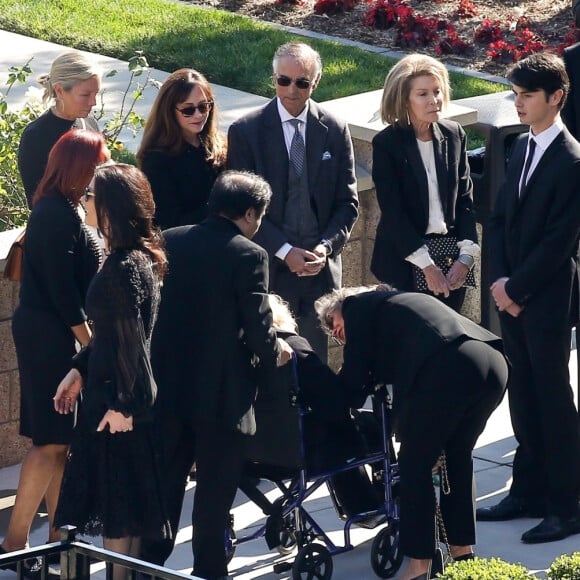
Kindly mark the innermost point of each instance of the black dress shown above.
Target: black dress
(111, 485)
(60, 259)
(180, 184)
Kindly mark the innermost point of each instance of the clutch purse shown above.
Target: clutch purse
(444, 252)
(13, 266)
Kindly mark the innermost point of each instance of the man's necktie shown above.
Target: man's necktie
(528, 164)
(297, 148)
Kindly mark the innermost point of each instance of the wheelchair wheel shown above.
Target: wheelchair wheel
(386, 558)
(313, 562)
(288, 541)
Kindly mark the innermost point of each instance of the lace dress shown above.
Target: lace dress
(112, 483)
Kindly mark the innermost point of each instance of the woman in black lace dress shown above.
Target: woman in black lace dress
(111, 485)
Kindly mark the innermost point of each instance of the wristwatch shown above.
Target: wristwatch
(466, 259)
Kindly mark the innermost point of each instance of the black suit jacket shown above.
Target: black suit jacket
(534, 238)
(213, 318)
(403, 195)
(391, 335)
(256, 143)
(571, 110)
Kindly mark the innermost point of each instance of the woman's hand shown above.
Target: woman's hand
(116, 421)
(436, 281)
(68, 392)
(457, 275)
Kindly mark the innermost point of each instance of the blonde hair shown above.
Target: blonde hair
(397, 86)
(68, 70)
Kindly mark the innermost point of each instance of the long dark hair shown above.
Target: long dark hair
(162, 131)
(125, 209)
(71, 164)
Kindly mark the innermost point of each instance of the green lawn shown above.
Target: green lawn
(230, 50)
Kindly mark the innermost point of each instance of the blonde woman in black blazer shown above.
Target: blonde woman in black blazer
(421, 176)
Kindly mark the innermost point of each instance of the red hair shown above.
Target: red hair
(71, 165)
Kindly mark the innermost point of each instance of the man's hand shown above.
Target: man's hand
(502, 300)
(285, 352)
(68, 392)
(116, 421)
(456, 275)
(304, 262)
(297, 258)
(514, 309)
(436, 281)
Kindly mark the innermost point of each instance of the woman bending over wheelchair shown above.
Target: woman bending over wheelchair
(448, 374)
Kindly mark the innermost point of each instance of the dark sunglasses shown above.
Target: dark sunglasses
(285, 81)
(203, 109)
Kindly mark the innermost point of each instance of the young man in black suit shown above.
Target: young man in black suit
(214, 320)
(306, 156)
(533, 234)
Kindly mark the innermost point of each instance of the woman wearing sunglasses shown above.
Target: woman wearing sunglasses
(182, 150)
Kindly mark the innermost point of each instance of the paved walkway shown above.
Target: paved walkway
(493, 454)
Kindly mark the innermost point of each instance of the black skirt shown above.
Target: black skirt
(44, 348)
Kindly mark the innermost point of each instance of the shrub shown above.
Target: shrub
(331, 7)
(484, 569)
(566, 567)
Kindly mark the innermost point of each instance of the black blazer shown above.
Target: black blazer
(256, 143)
(571, 110)
(390, 335)
(213, 319)
(403, 195)
(534, 239)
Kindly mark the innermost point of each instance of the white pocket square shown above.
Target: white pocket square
(326, 156)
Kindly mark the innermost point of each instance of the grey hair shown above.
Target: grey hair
(300, 51)
(68, 70)
(330, 303)
(282, 317)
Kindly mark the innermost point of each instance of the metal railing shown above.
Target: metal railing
(76, 558)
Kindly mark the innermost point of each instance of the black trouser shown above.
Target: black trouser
(545, 421)
(219, 457)
(453, 396)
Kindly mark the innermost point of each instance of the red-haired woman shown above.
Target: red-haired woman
(60, 259)
(182, 150)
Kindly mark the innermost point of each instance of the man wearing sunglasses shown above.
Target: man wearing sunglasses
(306, 156)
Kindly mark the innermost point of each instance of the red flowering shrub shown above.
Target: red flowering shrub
(528, 42)
(331, 7)
(488, 31)
(572, 37)
(416, 31)
(385, 14)
(503, 52)
(466, 9)
(452, 43)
